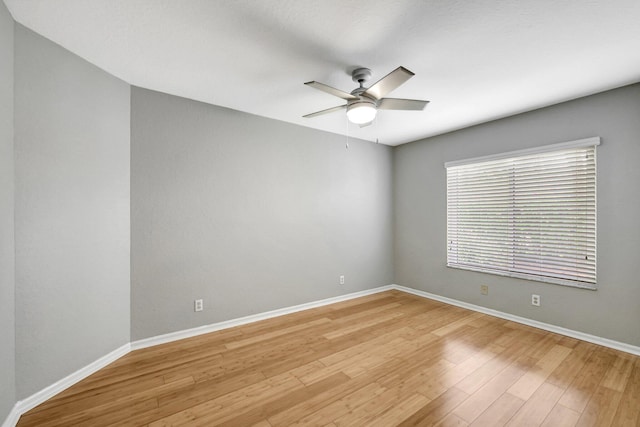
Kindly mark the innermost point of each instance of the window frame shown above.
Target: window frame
(582, 143)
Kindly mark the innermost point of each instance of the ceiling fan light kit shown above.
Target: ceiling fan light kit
(361, 112)
(363, 103)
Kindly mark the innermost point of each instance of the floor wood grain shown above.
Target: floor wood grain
(383, 360)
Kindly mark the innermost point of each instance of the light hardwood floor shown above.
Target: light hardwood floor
(382, 360)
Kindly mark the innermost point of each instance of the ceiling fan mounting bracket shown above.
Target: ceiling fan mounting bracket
(361, 75)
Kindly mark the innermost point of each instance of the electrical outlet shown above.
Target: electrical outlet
(535, 300)
(484, 289)
(198, 305)
(342, 280)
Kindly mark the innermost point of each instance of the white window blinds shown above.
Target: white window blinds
(528, 214)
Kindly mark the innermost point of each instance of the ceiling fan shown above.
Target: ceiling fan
(363, 103)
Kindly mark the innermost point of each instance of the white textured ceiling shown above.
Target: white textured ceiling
(474, 60)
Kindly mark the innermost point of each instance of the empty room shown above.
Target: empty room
(324, 213)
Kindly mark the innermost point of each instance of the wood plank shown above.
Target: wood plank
(561, 416)
(601, 408)
(618, 373)
(500, 411)
(276, 333)
(535, 377)
(355, 327)
(299, 395)
(118, 409)
(438, 384)
(471, 383)
(171, 403)
(628, 413)
(436, 410)
(453, 326)
(342, 406)
(319, 401)
(535, 409)
(398, 413)
(571, 366)
(452, 420)
(586, 382)
(486, 395)
(77, 401)
(374, 408)
(228, 406)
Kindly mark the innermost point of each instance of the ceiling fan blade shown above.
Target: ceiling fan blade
(389, 82)
(332, 91)
(401, 104)
(327, 111)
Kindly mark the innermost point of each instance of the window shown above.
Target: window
(529, 214)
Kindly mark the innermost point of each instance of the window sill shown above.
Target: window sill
(533, 277)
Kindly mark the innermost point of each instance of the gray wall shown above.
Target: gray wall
(613, 311)
(72, 212)
(7, 272)
(248, 213)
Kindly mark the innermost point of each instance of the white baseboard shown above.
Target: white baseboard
(605, 342)
(34, 400)
(188, 333)
(13, 417)
(46, 393)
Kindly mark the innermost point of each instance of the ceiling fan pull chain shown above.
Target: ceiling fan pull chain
(375, 123)
(346, 146)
